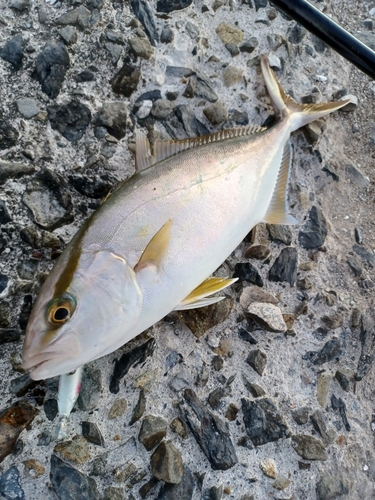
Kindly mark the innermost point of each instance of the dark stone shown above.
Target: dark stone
(130, 359)
(112, 116)
(85, 76)
(365, 254)
(22, 385)
(143, 12)
(153, 431)
(330, 171)
(201, 319)
(91, 388)
(257, 360)
(126, 80)
(71, 119)
(232, 49)
(8, 138)
(331, 350)
(343, 379)
(259, 4)
(147, 487)
(139, 408)
(263, 421)
(367, 338)
(13, 51)
(314, 231)
(167, 6)
(339, 405)
(182, 491)
(13, 421)
(172, 360)
(255, 390)
(320, 426)
(308, 447)
(257, 252)
(167, 35)
(51, 65)
(152, 95)
(331, 486)
(45, 439)
(79, 17)
(204, 88)
(296, 34)
(10, 485)
(301, 415)
(97, 186)
(245, 335)
(31, 236)
(281, 233)
(178, 71)
(249, 45)
(245, 271)
(25, 311)
(285, 266)
(215, 397)
(11, 170)
(92, 433)
(210, 432)
(70, 484)
(3, 282)
(192, 126)
(51, 409)
(239, 118)
(232, 412)
(333, 321)
(166, 463)
(355, 265)
(9, 335)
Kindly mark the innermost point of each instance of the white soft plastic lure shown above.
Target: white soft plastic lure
(151, 247)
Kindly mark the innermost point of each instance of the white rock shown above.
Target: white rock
(144, 110)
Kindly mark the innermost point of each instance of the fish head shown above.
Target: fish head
(81, 316)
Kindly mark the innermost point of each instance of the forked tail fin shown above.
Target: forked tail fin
(299, 114)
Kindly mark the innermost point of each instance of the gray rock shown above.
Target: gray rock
(331, 350)
(167, 35)
(268, 316)
(333, 321)
(178, 71)
(4, 213)
(27, 107)
(79, 17)
(112, 116)
(285, 266)
(113, 459)
(31, 236)
(256, 390)
(92, 433)
(232, 49)
(255, 294)
(118, 408)
(355, 265)
(71, 119)
(210, 432)
(51, 65)
(309, 447)
(166, 463)
(314, 231)
(13, 51)
(229, 34)
(162, 108)
(202, 319)
(301, 415)
(249, 45)
(366, 255)
(27, 269)
(10, 485)
(215, 397)
(114, 37)
(139, 408)
(356, 176)
(296, 34)
(216, 113)
(48, 200)
(50, 408)
(263, 421)
(152, 431)
(85, 76)
(114, 51)
(232, 75)
(125, 82)
(182, 491)
(20, 5)
(192, 126)
(8, 138)
(192, 30)
(92, 386)
(204, 87)
(245, 271)
(343, 377)
(320, 426)
(367, 346)
(141, 47)
(70, 484)
(143, 12)
(257, 359)
(281, 233)
(168, 6)
(68, 34)
(331, 486)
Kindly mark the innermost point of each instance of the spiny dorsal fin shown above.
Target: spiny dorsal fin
(166, 149)
(199, 296)
(277, 212)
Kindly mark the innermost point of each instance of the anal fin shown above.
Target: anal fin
(278, 212)
(199, 297)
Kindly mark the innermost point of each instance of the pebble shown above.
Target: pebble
(249, 45)
(91, 388)
(313, 233)
(356, 176)
(210, 432)
(152, 432)
(331, 350)
(168, 6)
(118, 408)
(245, 335)
(339, 404)
(115, 458)
(71, 119)
(139, 408)
(343, 377)
(252, 294)
(33, 468)
(367, 346)
(352, 105)
(79, 17)
(178, 426)
(166, 463)
(68, 35)
(13, 51)
(133, 357)
(10, 485)
(322, 388)
(333, 321)
(13, 421)
(202, 319)
(216, 113)
(268, 316)
(126, 80)
(232, 412)
(215, 397)
(301, 415)
(192, 30)
(257, 359)
(232, 75)
(50, 408)
(263, 421)
(30, 235)
(122, 474)
(245, 271)
(183, 491)
(141, 47)
(332, 485)
(112, 116)
(51, 66)
(75, 450)
(191, 125)
(229, 34)
(308, 447)
(92, 433)
(365, 254)
(256, 390)
(278, 232)
(144, 14)
(233, 49)
(20, 5)
(4, 213)
(162, 108)
(70, 484)
(8, 138)
(268, 467)
(285, 266)
(296, 34)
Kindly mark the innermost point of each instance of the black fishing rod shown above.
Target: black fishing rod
(331, 33)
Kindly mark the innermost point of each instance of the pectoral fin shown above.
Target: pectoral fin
(199, 297)
(156, 249)
(277, 212)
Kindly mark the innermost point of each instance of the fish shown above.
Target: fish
(154, 244)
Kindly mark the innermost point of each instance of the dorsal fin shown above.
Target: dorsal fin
(165, 149)
(277, 212)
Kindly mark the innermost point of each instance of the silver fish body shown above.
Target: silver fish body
(207, 198)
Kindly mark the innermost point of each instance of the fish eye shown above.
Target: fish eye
(60, 310)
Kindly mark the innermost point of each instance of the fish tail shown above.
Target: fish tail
(299, 114)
